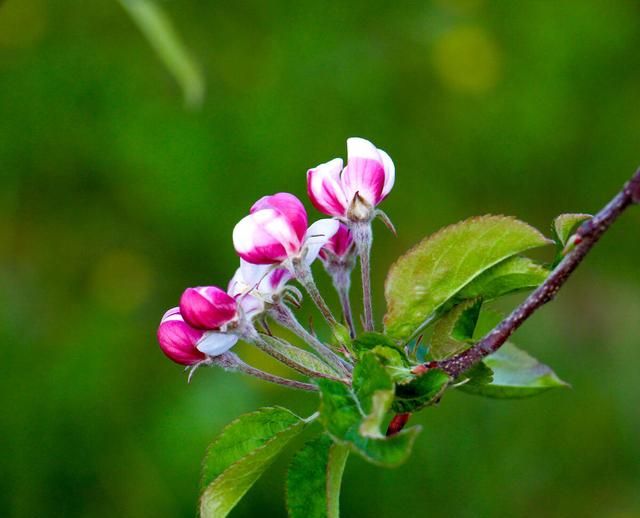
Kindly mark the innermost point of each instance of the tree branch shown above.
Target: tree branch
(586, 236)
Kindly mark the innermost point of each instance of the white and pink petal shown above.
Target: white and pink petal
(389, 173)
(178, 339)
(318, 234)
(341, 244)
(207, 307)
(289, 206)
(325, 188)
(365, 173)
(264, 237)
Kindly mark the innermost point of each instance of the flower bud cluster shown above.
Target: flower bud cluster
(276, 244)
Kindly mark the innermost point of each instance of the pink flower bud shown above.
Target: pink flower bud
(207, 307)
(273, 231)
(276, 230)
(340, 246)
(355, 190)
(178, 339)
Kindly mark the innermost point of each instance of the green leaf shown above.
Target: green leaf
(342, 418)
(367, 341)
(434, 271)
(240, 454)
(510, 276)
(314, 478)
(374, 391)
(304, 359)
(395, 363)
(565, 225)
(479, 374)
(424, 390)
(515, 374)
(388, 352)
(453, 331)
(154, 23)
(370, 377)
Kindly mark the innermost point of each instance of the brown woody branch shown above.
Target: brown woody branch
(586, 236)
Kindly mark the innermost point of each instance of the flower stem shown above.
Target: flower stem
(363, 237)
(283, 315)
(305, 277)
(586, 237)
(249, 334)
(230, 361)
(340, 272)
(343, 294)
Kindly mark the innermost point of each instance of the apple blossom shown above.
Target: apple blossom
(351, 194)
(207, 307)
(354, 191)
(276, 230)
(178, 339)
(187, 345)
(210, 309)
(340, 247)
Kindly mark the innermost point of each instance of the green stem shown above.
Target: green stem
(284, 316)
(305, 277)
(363, 237)
(231, 361)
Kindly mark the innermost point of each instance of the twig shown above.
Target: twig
(586, 236)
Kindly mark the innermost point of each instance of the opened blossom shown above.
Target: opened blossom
(354, 191)
(276, 230)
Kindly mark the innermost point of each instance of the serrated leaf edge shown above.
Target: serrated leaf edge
(545, 241)
(204, 489)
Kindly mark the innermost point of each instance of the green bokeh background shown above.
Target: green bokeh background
(115, 197)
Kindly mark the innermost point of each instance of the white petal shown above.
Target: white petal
(214, 343)
(389, 172)
(252, 274)
(251, 306)
(324, 188)
(317, 236)
(361, 148)
(237, 284)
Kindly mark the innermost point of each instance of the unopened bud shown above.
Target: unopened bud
(207, 307)
(178, 339)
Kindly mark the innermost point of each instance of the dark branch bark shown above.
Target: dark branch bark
(586, 236)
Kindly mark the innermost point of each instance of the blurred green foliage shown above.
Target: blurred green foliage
(114, 198)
